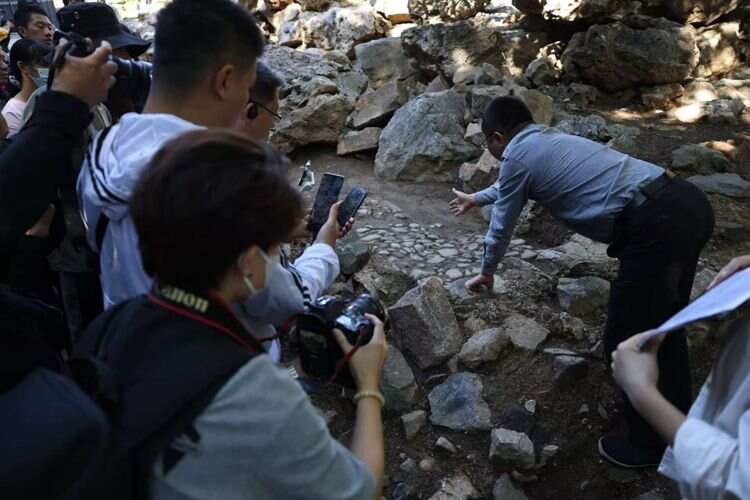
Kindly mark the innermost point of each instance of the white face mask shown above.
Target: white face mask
(272, 266)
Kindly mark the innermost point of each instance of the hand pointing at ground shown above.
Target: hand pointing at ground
(462, 203)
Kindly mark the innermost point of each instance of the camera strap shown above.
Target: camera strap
(209, 310)
(345, 360)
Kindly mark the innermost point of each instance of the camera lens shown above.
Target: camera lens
(366, 304)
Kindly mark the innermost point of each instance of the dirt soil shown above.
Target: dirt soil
(576, 472)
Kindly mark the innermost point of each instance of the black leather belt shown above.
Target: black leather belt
(650, 190)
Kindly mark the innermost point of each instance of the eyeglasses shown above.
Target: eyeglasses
(266, 109)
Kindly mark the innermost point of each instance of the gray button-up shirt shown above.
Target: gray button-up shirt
(583, 183)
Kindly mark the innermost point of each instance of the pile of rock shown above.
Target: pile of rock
(408, 80)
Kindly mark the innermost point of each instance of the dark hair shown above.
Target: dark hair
(206, 197)
(504, 114)
(195, 36)
(267, 83)
(30, 53)
(23, 14)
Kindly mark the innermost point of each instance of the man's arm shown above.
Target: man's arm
(488, 195)
(512, 194)
(32, 164)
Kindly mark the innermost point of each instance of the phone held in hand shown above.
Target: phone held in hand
(351, 205)
(328, 194)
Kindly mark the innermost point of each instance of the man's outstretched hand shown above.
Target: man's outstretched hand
(462, 203)
(480, 282)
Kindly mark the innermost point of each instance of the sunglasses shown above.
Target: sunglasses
(266, 109)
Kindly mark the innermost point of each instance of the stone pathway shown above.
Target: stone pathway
(419, 250)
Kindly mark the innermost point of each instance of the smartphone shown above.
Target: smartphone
(351, 205)
(328, 194)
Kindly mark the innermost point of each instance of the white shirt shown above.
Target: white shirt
(710, 458)
(13, 114)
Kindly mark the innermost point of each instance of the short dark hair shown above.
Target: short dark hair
(267, 83)
(23, 14)
(504, 114)
(194, 36)
(206, 197)
(28, 52)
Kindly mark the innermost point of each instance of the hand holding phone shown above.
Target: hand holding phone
(351, 205)
(328, 194)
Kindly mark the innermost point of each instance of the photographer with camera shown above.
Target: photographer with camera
(32, 174)
(200, 79)
(250, 431)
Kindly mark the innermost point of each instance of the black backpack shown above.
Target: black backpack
(50, 430)
(127, 426)
(155, 370)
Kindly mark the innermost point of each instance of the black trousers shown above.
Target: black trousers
(658, 245)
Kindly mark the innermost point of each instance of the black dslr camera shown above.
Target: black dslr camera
(320, 353)
(133, 77)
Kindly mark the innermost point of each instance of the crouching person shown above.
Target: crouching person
(202, 408)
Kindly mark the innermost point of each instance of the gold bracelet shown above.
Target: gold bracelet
(370, 394)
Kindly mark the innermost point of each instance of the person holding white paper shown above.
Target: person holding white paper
(709, 453)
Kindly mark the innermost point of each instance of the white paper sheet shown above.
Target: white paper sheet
(724, 298)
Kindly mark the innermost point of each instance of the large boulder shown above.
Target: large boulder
(724, 111)
(483, 346)
(569, 10)
(359, 141)
(721, 49)
(578, 257)
(731, 185)
(596, 128)
(307, 74)
(319, 122)
(637, 51)
(582, 296)
(398, 384)
(385, 282)
(375, 107)
(383, 60)
(523, 332)
(540, 105)
(317, 91)
(448, 10)
(445, 48)
(341, 28)
(699, 159)
(479, 175)
(699, 11)
(424, 324)
(425, 140)
(457, 404)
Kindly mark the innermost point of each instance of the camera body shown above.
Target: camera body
(320, 353)
(133, 77)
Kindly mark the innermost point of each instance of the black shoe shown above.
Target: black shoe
(620, 452)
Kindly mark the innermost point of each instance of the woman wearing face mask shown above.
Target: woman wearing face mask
(28, 68)
(211, 211)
